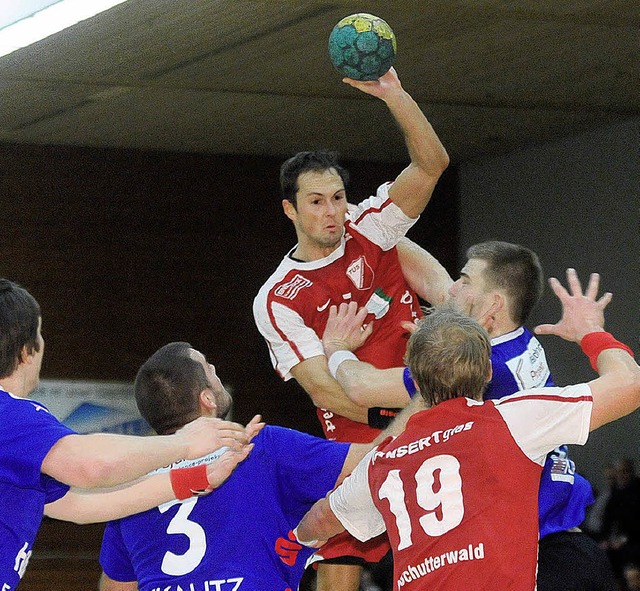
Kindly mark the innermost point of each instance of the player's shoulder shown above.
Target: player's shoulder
(273, 286)
(276, 433)
(372, 204)
(21, 406)
(278, 274)
(271, 435)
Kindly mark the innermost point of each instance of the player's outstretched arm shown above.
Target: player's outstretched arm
(423, 272)
(363, 383)
(104, 460)
(616, 392)
(415, 184)
(318, 525)
(349, 506)
(93, 506)
(325, 392)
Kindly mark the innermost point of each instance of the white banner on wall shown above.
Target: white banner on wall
(92, 407)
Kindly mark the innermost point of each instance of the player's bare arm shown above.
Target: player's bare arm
(318, 525)
(106, 460)
(325, 392)
(363, 383)
(95, 506)
(616, 392)
(414, 186)
(423, 272)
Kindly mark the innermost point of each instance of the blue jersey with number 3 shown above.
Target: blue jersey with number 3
(237, 537)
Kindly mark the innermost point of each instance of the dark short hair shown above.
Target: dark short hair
(316, 161)
(514, 269)
(167, 388)
(449, 356)
(19, 318)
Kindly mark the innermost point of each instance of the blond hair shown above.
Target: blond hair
(449, 356)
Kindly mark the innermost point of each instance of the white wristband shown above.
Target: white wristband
(337, 358)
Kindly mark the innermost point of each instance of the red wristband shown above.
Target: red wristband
(594, 343)
(187, 482)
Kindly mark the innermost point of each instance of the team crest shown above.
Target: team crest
(290, 290)
(360, 273)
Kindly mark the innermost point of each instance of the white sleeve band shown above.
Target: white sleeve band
(337, 358)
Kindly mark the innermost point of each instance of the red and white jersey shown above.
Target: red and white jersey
(457, 492)
(292, 307)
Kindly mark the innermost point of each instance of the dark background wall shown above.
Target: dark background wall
(576, 202)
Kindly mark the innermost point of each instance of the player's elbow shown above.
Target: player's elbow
(97, 472)
(437, 163)
(634, 383)
(442, 160)
(319, 397)
(628, 380)
(360, 392)
(619, 398)
(82, 518)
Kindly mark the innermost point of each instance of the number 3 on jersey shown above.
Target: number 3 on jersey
(438, 492)
(181, 564)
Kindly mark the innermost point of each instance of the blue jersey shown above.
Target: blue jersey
(237, 537)
(519, 363)
(27, 432)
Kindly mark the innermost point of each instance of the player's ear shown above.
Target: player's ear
(498, 303)
(25, 356)
(289, 209)
(207, 402)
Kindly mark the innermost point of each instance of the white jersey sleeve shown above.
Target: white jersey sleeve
(292, 342)
(541, 419)
(380, 220)
(353, 505)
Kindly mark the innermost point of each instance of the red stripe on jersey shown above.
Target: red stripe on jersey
(549, 397)
(272, 353)
(366, 212)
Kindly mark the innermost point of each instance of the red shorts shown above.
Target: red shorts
(345, 549)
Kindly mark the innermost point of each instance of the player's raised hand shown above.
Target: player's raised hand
(582, 313)
(206, 434)
(220, 469)
(386, 84)
(345, 329)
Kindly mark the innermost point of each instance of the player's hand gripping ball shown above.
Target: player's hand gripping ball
(362, 46)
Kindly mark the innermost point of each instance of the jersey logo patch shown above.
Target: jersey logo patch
(324, 306)
(361, 273)
(530, 369)
(290, 290)
(378, 303)
(563, 469)
(287, 549)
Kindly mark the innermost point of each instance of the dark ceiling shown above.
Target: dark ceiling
(253, 77)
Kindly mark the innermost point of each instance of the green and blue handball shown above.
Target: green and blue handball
(362, 46)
